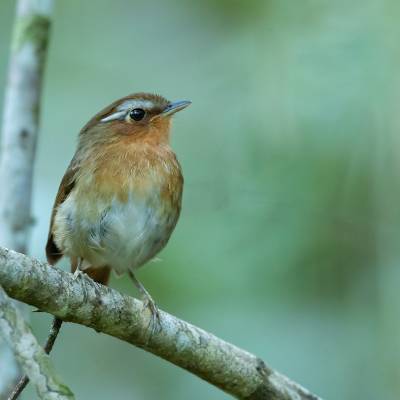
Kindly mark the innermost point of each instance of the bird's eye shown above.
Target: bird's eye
(137, 114)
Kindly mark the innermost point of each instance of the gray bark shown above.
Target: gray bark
(81, 300)
(30, 355)
(21, 119)
(18, 140)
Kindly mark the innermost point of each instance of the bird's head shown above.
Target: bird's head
(138, 117)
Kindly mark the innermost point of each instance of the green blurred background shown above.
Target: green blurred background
(288, 244)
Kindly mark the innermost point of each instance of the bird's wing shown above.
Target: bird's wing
(53, 253)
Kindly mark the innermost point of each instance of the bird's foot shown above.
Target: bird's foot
(148, 302)
(155, 321)
(78, 274)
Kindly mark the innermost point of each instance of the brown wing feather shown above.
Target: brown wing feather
(53, 253)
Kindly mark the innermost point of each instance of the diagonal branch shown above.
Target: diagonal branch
(85, 302)
(24, 380)
(34, 361)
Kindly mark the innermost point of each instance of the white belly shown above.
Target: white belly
(122, 235)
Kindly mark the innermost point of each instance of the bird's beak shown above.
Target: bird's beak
(174, 107)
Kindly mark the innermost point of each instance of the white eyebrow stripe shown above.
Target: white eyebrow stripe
(131, 104)
(113, 116)
(127, 105)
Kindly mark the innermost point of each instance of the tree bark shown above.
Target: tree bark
(30, 355)
(18, 140)
(21, 120)
(81, 300)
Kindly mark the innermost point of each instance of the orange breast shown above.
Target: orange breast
(117, 169)
(123, 208)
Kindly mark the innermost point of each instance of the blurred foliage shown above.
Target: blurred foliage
(288, 241)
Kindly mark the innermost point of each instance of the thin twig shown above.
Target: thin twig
(55, 329)
(30, 355)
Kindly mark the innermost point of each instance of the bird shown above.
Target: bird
(120, 198)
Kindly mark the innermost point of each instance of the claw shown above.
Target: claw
(78, 274)
(155, 321)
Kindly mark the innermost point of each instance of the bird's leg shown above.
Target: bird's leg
(148, 302)
(78, 272)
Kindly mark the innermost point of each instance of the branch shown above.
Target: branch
(24, 380)
(21, 120)
(85, 302)
(30, 355)
(19, 137)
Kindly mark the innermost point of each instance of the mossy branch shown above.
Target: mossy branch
(82, 301)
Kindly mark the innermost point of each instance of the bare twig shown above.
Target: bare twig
(55, 328)
(30, 355)
(85, 302)
(19, 136)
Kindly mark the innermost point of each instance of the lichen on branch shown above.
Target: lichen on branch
(30, 355)
(83, 301)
